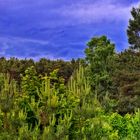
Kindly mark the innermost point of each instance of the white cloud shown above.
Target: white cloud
(8, 43)
(22, 40)
(97, 12)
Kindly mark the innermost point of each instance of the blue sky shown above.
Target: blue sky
(60, 29)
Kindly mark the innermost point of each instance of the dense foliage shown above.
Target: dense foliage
(47, 109)
(15, 67)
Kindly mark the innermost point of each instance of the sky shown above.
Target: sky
(60, 29)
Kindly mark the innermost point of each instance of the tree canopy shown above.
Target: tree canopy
(133, 30)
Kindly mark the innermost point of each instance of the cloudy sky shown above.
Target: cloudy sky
(60, 29)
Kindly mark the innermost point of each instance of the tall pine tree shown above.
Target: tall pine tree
(133, 30)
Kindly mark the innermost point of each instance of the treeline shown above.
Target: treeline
(16, 67)
(124, 74)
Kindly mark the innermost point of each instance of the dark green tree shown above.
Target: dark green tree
(133, 30)
(99, 54)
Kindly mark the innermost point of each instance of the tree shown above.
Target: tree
(126, 81)
(31, 83)
(133, 30)
(99, 54)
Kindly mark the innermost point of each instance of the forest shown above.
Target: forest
(91, 98)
